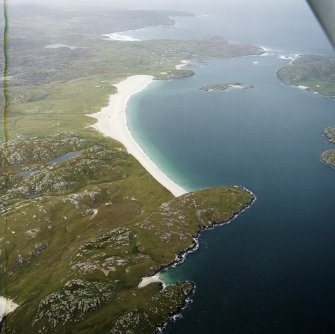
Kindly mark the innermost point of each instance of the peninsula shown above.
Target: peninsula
(82, 221)
(315, 73)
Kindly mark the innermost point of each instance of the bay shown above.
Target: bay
(271, 270)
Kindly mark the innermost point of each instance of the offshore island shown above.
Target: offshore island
(225, 86)
(82, 222)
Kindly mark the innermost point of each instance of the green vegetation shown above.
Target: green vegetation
(318, 74)
(328, 157)
(51, 89)
(315, 72)
(79, 233)
(330, 133)
(225, 86)
(63, 85)
(46, 22)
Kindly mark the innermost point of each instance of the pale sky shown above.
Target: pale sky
(171, 4)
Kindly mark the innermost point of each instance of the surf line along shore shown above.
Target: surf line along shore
(112, 122)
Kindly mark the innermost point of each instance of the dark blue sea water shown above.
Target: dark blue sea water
(272, 269)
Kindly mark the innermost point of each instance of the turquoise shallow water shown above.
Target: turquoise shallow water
(270, 271)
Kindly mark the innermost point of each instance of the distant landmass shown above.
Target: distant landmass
(178, 13)
(87, 20)
(314, 73)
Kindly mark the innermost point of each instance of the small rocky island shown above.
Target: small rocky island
(225, 86)
(328, 157)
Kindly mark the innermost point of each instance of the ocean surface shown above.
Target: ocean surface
(272, 269)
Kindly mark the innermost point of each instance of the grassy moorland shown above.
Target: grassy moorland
(312, 71)
(51, 89)
(60, 86)
(81, 221)
(58, 99)
(78, 235)
(317, 74)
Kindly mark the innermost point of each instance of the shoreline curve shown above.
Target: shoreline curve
(112, 122)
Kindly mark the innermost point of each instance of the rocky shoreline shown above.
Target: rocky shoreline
(314, 74)
(182, 256)
(328, 158)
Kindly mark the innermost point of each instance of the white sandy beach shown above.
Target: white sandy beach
(6, 306)
(112, 122)
(148, 280)
(183, 63)
(115, 36)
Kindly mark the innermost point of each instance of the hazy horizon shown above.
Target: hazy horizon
(203, 5)
(292, 16)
